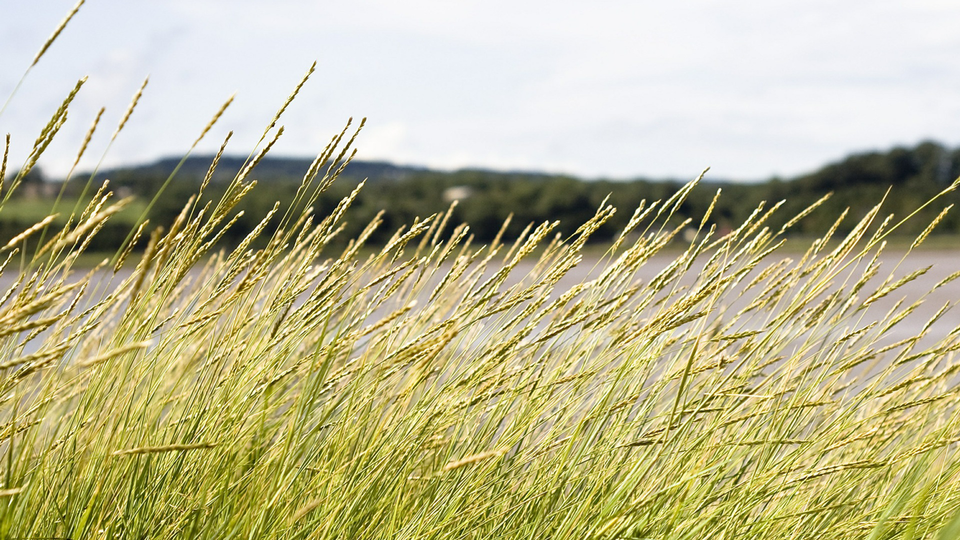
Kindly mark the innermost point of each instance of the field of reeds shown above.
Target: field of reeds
(433, 388)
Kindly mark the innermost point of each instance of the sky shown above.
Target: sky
(600, 88)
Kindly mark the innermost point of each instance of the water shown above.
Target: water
(942, 263)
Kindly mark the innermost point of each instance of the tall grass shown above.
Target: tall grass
(431, 388)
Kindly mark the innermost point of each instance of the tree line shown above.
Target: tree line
(903, 177)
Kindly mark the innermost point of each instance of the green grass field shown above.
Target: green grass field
(33, 210)
(429, 388)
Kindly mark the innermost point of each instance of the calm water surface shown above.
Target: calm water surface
(943, 263)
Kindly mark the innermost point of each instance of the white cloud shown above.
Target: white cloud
(602, 88)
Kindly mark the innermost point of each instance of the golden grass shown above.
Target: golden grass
(433, 388)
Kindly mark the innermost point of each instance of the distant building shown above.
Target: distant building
(457, 193)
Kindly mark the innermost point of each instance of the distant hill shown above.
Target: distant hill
(911, 174)
(927, 163)
(269, 169)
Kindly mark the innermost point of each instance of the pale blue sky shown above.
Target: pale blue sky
(614, 88)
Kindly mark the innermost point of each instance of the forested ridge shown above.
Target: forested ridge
(486, 198)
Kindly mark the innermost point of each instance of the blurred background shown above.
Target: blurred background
(509, 106)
